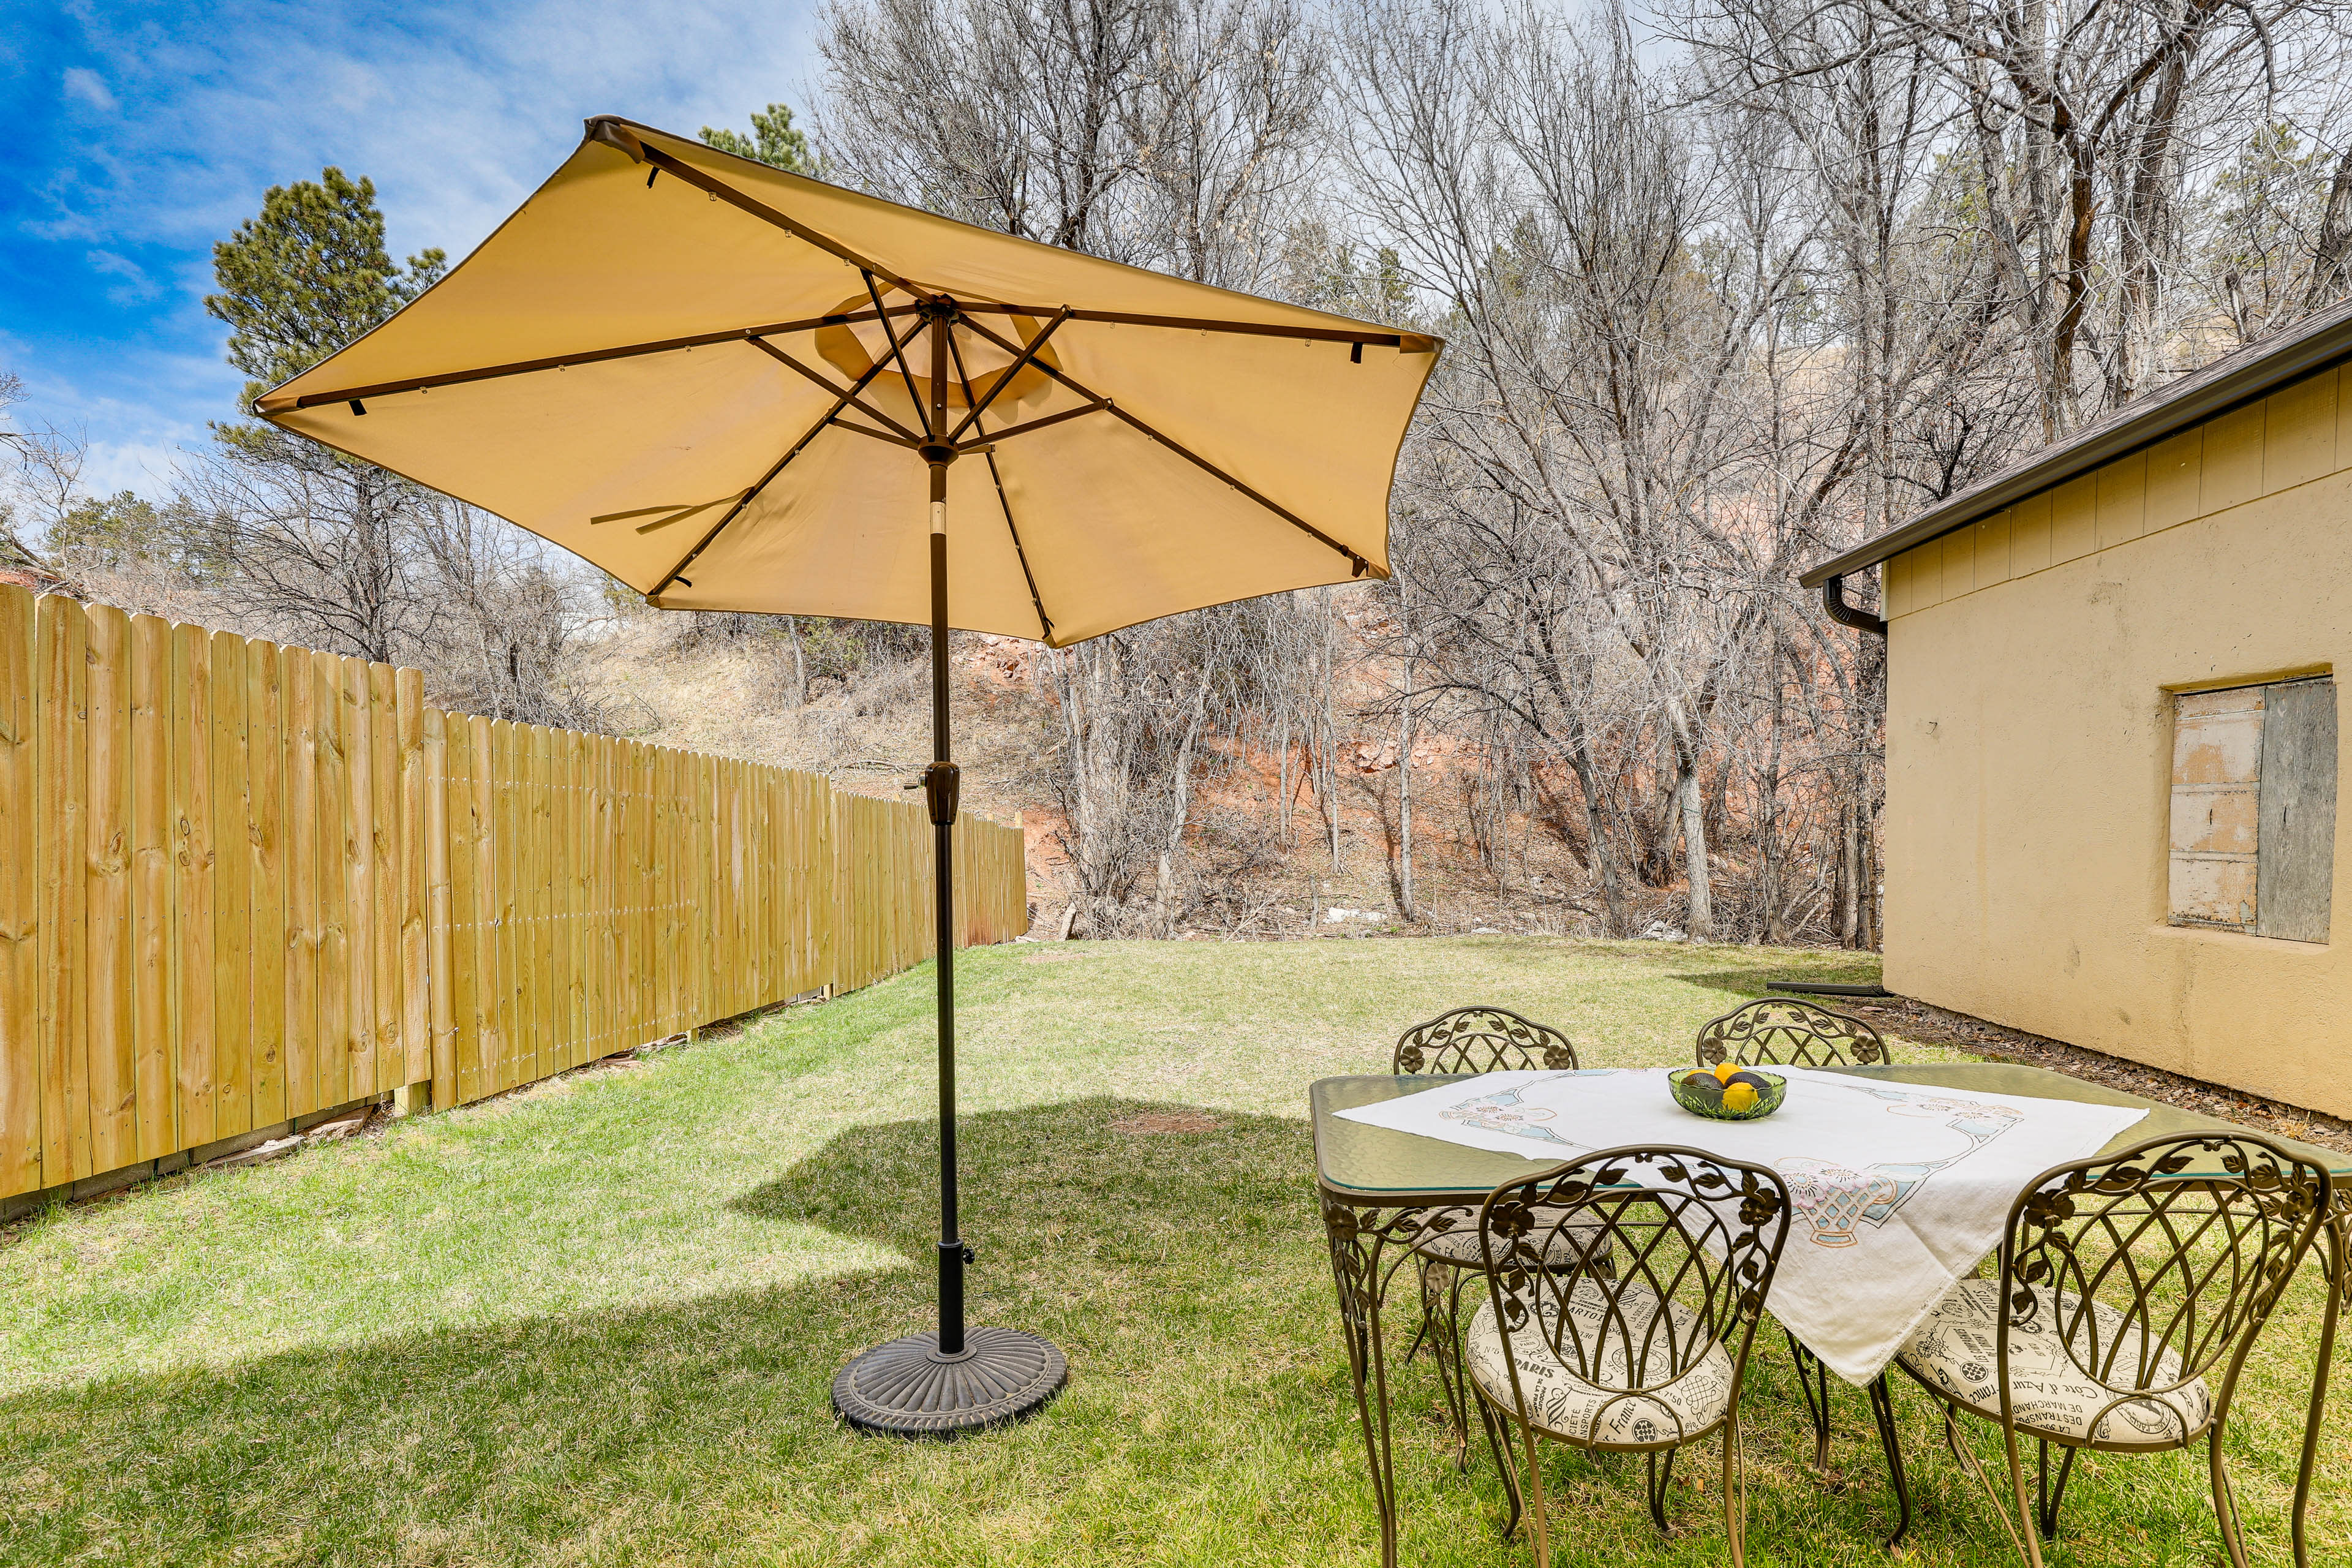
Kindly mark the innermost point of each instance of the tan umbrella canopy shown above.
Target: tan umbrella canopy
(676, 363)
(735, 388)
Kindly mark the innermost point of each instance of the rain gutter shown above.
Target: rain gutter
(2231, 383)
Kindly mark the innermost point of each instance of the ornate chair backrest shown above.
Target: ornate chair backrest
(1482, 1039)
(1781, 1032)
(1643, 1225)
(2159, 1265)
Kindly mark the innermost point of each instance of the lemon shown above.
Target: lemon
(1723, 1071)
(1739, 1097)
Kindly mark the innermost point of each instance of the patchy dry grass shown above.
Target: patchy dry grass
(594, 1322)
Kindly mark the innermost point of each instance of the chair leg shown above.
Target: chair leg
(1734, 1495)
(1660, 1476)
(1498, 1442)
(1440, 1322)
(2033, 1538)
(2225, 1503)
(1813, 1382)
(1536, 1509)
(1881, 1410)
(2051, 1495)
(2028, 1545)
(1421, 1333)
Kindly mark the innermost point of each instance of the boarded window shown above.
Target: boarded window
(2253, 809)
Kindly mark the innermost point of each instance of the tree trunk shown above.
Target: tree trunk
(1405, 906)
(1849, 875)
(1702, 894)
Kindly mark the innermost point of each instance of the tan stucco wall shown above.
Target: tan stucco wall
(2033, 661)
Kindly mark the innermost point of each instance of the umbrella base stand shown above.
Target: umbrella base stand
(907, 1389)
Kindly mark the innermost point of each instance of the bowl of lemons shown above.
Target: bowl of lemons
(1728, 1092)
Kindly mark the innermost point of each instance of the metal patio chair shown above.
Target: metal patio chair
(1479, 1039)
(1643, 1357)
(1482, 1039)
(2130, 1289)
(1782, 1031)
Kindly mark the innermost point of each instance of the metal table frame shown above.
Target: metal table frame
(1377, 1185)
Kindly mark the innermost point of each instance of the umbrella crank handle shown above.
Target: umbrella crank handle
(939, 785)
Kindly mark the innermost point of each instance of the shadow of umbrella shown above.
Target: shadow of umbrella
(685, 1422)
(1095, 1195)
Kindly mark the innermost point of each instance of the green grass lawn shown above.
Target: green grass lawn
(595, 1321)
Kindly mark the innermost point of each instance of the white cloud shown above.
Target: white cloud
(457, 110)
(90, 88)
(146, 467)
(135, 287)
(455, 113)
(130, 415)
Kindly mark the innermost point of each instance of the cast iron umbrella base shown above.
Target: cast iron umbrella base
(953, 1379)
(908, 1389)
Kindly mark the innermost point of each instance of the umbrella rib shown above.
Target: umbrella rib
(1206, 467)
(1409, 342)
(990, 438)
(898, 351)
(908, 441)
(963, 378)
(753, 493)
(1004, 504)
(855, 402)
(766, 213)
(1005, 378)
(268, 405)
(1003, 501)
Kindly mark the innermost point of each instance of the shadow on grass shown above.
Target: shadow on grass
(700, 1429)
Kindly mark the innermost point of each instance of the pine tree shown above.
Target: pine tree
(774, 141)
(308, 275)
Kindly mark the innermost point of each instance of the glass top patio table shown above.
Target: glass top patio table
(1376, 1166)
(1373, 1179)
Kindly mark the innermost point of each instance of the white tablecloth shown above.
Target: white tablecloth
(1898, 1189)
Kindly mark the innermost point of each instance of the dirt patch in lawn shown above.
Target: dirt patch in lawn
(1941, 1026)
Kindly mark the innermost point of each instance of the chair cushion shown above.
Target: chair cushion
(1957, 1349)
(1565, 1406)
(1451, 1236)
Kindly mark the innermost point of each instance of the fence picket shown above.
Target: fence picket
(305, 934)
(62, 725)
(265, 785)
(381, 847)
(108, 1076)
(20, 971)
(156, 798)
(418, 791)
(231, 817)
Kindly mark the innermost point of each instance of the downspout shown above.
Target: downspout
(1845, 615)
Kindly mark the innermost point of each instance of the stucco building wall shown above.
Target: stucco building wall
(2034, 657)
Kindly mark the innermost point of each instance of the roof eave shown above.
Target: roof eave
(2261, 374)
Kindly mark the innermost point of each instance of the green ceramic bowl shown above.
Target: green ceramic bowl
(1697, 1091)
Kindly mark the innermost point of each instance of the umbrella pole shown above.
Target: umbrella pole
(939, 792)
(955, 1379)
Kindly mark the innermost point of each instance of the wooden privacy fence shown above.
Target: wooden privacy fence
(241, 883)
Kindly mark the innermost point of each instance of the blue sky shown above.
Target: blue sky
(140, 133)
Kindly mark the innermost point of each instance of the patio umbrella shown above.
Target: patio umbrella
(735, 388)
